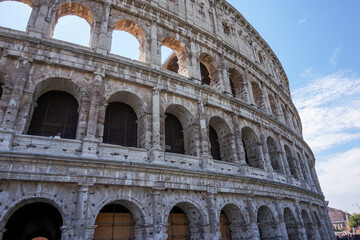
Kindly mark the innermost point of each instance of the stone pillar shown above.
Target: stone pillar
(81, 212)
(266, 101)
(156, 152)
(90, 142)
(297, 162)
(252, 227)
(160, 227)
(154, 56)
(282, 225)
(248, 85)
(281, 113)
(307, 169)
(328, 224)
(301, 226)
(213, 217)
(11, 113)
(103, 45)
(239, 148)
(194, 69)
(267, 160)
(290, 178)
(204, 139)
(37, 21)
(225, 76)
(67, 233)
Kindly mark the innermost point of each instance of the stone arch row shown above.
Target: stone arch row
(126, 218)
(220, 141)
(231, 80)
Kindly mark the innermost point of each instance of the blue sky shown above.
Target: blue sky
(317, 43)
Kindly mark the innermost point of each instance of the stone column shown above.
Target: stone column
(194, 69)
(248, 83)
(213, 217)
(37, 21)
(267, 160)
(297, 162)
(81, 212)
(307, 169)
(301, 226)
(281, 220)
(266, 101)
(239, 148)
(154, 55)
(225, 76)
(90, 142)
(204, 139)
(156, 152)
(103, 44)
(281, 113)
(252, 227)
(328, 224)
(160, 227)
(11, 113)
(290, 178)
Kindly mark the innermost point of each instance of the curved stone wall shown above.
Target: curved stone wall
(265, 182)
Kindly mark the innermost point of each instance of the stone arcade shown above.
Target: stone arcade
(98, 146)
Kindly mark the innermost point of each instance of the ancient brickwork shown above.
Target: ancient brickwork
(264, 183)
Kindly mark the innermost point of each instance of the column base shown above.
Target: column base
(6, 139)
(90, 147)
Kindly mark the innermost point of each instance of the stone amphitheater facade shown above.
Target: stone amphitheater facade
(243, 170)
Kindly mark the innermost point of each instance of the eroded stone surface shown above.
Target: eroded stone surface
(269, 190)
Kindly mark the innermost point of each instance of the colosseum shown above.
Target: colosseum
(207, 145)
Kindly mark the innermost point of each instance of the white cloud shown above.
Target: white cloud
(334, 57)
(302, 20)
(330, 110)
(339, 176)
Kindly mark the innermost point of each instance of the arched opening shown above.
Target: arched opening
(291, 225)
(286, 117)
(319, 226)
(274, 156)
(302, 166)
(114, 221)
(185, 222)
(273, 106)
(258, 95)
(176, 60)
(214, 143)
(34, 221)
(221, 140)
(55, 115)
(15, 14)
(73, 23)
(309, 228)
(266, 224)
(208, 70)
(291, 162)
(251, 148)
(180, 131)
(238, 85)
(174, 137)
(123, 42)
(233, 224)
(225, 227)
(178, 225)
(120, 125)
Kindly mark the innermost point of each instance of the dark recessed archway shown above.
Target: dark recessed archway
(34, 220)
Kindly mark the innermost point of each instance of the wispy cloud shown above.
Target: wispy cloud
(301, 21)
(334, 57)
(338, 176)
(330, 110)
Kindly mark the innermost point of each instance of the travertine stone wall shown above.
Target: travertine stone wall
(270, 190)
